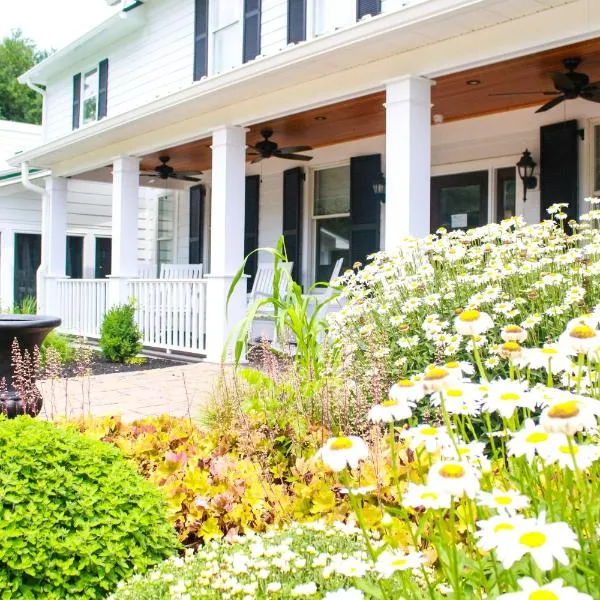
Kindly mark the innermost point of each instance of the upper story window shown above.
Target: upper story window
(90, 95)
(330, 15)
(227, 35)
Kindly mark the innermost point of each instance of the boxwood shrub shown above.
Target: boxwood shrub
(75, 517)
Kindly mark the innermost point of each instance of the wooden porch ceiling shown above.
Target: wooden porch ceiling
(452, 96)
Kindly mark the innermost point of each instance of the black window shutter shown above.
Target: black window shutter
(76, 100)
(364, 207)
(367, 7)
(201, 39)
(251, 225)
(296, 21)
(559, 166)
(196, 243)
(102, 88)
(293, 196)
(252, 20)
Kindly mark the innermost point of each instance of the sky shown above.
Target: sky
(52, 23)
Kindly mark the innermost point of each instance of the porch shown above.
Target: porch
(447, 154)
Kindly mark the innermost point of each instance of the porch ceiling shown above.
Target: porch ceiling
(452, 97)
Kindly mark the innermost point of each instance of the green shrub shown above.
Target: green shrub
(61, 345)
(120, 337)
(75, 517)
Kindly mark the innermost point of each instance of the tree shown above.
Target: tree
(17, 101)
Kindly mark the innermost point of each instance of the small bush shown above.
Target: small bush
(75, 518)
(120, 337)
(60, 344)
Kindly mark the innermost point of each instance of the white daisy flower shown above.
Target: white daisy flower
(492, 529)
(390, 561)
(429, 436)
(341, 451)
(549, 357)
(530, 440)
(570, 416)
(543, 541)
(513, 333)
(344, 594)
(425, 496)
(505, 396)
(532, 590)
(406, 390)
(456, 478)
(509, 501)
(460, 398)
(389, 411)
(350, 566)
(460, 368)
(473, 322)
(579, 338)
(568, 456)
(304, 589)
(435, 379)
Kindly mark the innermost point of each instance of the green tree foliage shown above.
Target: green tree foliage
(17, 101)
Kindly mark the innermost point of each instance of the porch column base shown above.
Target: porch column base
(223, 319)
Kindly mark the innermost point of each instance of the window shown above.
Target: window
(330, 15)
(165, 234)
(506, 193)
(596, 182)
(89, 94)
(331, 215)
(227, 35)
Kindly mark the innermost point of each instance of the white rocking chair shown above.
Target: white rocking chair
(181, 271)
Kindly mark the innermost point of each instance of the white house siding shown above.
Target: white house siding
(88, 215)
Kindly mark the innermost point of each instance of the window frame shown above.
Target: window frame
(212, 31)
(173, 239)
(314, 219)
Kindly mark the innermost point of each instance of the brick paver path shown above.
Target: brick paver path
(178, 391)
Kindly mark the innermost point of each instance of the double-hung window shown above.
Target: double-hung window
(166, 230)
(330, 15)
(90, 95)
(331, 216)
(227, 35)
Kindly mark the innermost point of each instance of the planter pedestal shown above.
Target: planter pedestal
(29, 331)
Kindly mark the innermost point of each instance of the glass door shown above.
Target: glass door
(459, 201)
(103, 257)
(506, 193)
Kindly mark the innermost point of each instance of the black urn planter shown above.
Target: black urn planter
(29, 331)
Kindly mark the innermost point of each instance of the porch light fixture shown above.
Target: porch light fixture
(379, 187)
(526, 167)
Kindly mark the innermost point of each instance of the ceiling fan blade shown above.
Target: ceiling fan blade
(257, 159)
(591, 92)
(292, 149)
(554, 93)
(554, 102)
(181, 177)
(293, 156)
(189, 173)
(562, 81)
(149, 174)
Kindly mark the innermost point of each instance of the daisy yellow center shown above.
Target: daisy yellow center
(568, 450)
(503, 527)
(542, 595)
(533, 539)
(429, 431)
(453, 365)
(436, 373)
(537, 437)
(341, 443)
(503, 500)
(564, 410)
(511, 346)
(582, 332)
(513, 329)
(510, 396)
(429, 496)
(454, 393)
(549, 351)
(399, 562)
(388, 403)
(464, 451)
(452, 471)
(406, 383)
(468, 316)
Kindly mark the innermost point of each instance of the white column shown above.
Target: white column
(7, 268)
(226, 239)
(54, 245)
(125, 205)
(89, 256)
(407, 159)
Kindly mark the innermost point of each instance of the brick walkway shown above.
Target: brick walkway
(178, 391)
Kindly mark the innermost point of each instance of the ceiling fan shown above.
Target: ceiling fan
(166, 171)
(266, 149)
(567, 86)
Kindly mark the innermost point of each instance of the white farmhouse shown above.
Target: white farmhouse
(414, 114)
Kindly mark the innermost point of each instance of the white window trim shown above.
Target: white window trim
(84, 74)
(174, 198)
(212, 30)
(311, 221)
(589, 162)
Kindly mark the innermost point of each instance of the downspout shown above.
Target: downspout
(42, 92)
(42, 269)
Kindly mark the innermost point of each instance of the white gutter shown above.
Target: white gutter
(36, 88)
(27, 183)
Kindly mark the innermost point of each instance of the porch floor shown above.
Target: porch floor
(178, 391)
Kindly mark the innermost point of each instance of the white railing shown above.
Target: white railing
(171, 313)
(82, 305)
